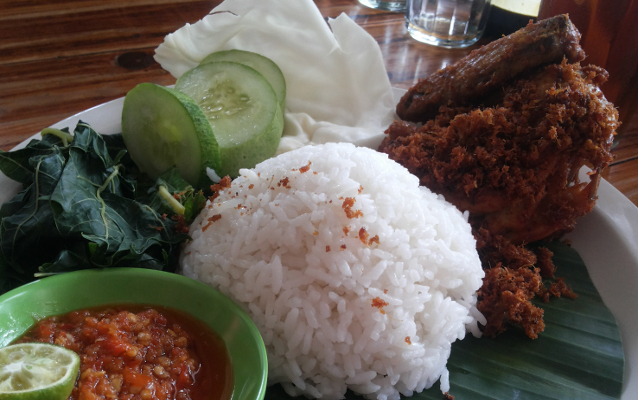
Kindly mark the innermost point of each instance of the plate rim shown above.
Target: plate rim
(612, 225)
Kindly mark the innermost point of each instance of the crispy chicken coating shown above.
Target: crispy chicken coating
(515, 165)
(491, 67)
(511, 158)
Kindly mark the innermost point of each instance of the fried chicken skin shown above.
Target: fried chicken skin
(505, 139)
(491, 67)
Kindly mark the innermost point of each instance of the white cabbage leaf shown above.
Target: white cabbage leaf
(337, 85)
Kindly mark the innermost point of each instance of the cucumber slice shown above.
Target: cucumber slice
(261, 64)
(242, 109)
(164, 128)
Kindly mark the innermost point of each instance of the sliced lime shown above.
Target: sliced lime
(34, 371)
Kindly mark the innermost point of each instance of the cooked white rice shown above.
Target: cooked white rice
(338, 309)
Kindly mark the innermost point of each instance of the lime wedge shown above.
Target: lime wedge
(34, 371)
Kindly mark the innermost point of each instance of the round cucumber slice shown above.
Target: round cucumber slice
(259, 63)
(164, 128)
(242, 109)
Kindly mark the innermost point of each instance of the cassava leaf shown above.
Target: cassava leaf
(18, 164)
(27, 220)
(79, 210)
(579, 356)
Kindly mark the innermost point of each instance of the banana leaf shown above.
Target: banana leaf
(579, 355)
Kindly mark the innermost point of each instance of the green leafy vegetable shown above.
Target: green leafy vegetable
(86, 205)
(578, 356)
(191, 200)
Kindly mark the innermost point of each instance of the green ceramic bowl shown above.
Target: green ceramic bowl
(59, 294)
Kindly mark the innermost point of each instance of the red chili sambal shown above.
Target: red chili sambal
(136, 353)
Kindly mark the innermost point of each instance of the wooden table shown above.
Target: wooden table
(60, 58)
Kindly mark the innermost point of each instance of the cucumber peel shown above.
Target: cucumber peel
(164, 128)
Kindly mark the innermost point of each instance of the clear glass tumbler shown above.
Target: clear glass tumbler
(447, 23)
(398, 5)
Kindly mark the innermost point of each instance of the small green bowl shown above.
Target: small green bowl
(60, 294)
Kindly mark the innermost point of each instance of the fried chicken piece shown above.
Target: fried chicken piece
(515, 166)
(512, 159)
(491, 67)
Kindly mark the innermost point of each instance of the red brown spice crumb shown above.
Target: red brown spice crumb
(206, 226)
(378, 302)
(363, 235)
(559, 288)
(181, 226)
(305, 169)
(285, 182)
(223, 184)
(505, 298)
(315, 233)
(215, 217)
(385, 291)
(343, 247)
(346, 230)
(513, 277)
(544, 262)
(327, 249)
(251, 186)
(347, 207)
(407, 340)
(218, 187)
(447, 396)
(360, 189)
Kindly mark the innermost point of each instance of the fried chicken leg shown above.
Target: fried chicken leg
(491, 67)
(506, 131)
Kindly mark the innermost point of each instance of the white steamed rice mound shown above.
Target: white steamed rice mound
(338, 309)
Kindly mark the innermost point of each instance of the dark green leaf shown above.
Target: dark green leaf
(79, 210)
(16, 164)
(192, 200)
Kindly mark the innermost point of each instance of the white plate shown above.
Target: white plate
(606, 239)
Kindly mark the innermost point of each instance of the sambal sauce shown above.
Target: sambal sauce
(140, 353)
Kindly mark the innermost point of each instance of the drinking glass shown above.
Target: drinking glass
(398, 5)
(447, 23)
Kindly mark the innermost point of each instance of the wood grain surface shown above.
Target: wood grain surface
(60, 58)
